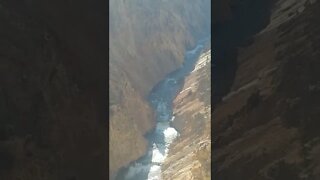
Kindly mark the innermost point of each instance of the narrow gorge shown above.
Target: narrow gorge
(148, 40)
(163, 135)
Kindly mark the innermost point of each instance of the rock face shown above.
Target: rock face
(52, 94)
(189, 155)
(265, 124)
(233, 28)
(147, 41)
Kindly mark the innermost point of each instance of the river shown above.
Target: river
(161, 97)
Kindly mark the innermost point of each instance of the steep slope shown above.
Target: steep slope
(189, 155)
(147, 41)
(52, 95)
(265, 127)
(234, 24)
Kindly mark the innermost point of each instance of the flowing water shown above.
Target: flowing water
(161, 97)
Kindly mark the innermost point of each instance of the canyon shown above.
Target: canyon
(54, 83)
(148, 40)
(53, 55)
(265, 96)
(160, 139)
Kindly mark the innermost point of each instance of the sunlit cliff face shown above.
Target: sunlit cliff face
(190, 155)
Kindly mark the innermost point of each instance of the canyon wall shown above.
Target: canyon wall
(234, 24)
(148, 40)
(190, 154)
(53, 90)
(266, 119)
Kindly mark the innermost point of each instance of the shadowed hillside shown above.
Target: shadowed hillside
(53, 84)
(266, 119)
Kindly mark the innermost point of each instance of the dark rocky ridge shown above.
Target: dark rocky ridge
(265, 128)
(234, 24)
(53, 86)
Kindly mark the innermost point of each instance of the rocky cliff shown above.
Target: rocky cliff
(265, 122)
(53, 86)
(147, 41)
(189, 155)
(234, 24)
